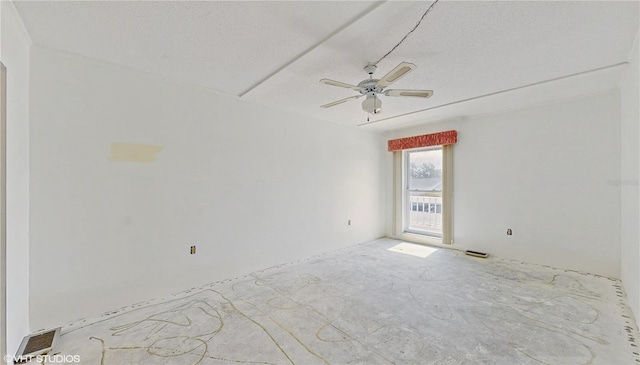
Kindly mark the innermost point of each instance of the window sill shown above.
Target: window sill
(422, 239)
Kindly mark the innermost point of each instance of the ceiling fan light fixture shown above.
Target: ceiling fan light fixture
(372, 104)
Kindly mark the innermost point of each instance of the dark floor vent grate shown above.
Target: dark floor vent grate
(38, 344)
(476, 254)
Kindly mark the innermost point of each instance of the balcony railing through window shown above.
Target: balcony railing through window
(425, 213)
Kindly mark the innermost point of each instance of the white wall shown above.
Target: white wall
(630, 218)
(546, 172)
(15, 46)
(250, 186)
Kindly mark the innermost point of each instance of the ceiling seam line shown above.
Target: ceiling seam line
(498, 92)
(314, 47)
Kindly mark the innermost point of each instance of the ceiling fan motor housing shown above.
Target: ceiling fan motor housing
(368, 87)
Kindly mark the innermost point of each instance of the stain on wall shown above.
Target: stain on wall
(133, 152)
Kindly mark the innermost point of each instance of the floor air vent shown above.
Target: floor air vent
(477, 254)
(38, 344)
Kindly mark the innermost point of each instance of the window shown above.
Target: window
(423, 191)
(423, 194)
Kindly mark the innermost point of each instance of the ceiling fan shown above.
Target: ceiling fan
(371, 88)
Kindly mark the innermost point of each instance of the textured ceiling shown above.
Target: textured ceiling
(228, 46)
(275, 52)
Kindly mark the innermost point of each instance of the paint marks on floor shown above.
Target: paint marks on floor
(370, 305)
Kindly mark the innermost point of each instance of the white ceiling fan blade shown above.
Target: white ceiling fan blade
(340, 84)
(395, 74)
(339, 101)
(414, 93)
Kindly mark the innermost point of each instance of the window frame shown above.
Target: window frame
(399, 186)
(406, 225)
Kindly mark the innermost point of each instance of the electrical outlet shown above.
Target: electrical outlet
(349, 222)
(193, 250)
(509, 232)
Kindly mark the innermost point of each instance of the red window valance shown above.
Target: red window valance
(426, 140)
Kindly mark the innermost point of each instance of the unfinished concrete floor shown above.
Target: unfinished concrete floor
(369, 305)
